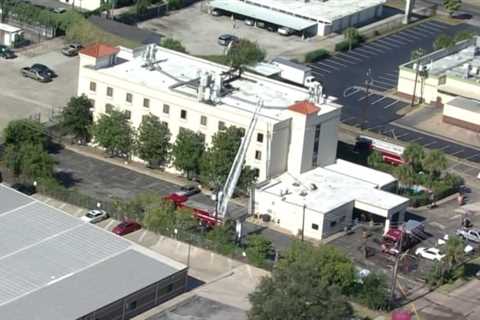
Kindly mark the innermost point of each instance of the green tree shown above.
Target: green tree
(153, 141)
(30, 160)
(160, 218)
(223, 237)
(259, 249)
(306, 284)
(245, 52)
(373, 291)
(413, 156)
(417, 53)
(114, 133)
(76, 118)
(184, 219)
(141, 6)
(443, 41)
(375, 159)
(187, 152)
(173, 44)
(454, 251)
(25, 131)
(463, 35)
(434, 162)
(217, 160)
(406, 175)
(452, 5)
(351, 35)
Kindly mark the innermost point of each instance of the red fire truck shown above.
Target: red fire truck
(391, 153)
(409, 234)
(204, 213)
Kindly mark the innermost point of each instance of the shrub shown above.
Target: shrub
(316, 55)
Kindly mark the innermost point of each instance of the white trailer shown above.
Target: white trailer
(294, 72)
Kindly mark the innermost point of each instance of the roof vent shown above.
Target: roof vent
(313, 187)
(303, 193)
(296, 184)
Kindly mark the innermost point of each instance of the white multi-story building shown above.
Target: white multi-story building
(296, 129)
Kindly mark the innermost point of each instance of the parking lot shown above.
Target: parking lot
(184, 25)
(23, 97)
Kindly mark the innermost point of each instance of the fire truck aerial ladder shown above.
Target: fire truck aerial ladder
(225, 195)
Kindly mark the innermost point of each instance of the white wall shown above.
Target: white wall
(84, 4)
(461, 114)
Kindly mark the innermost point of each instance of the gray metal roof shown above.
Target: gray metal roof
(54, 266)
(467, 104)
(263, 14)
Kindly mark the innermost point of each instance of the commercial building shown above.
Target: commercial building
(296, 128)
(55, 266)
(8, 34)
(308, 18)
(323, 201)
(89, 5)
(450, 78)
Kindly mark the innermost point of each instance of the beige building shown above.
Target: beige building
(445, 75)
(296, 128)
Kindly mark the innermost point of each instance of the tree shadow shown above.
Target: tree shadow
(66, 179)
(54, 147)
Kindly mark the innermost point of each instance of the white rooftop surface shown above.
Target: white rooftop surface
(54, 266)
(277, 96)
(456, 62)
(363, 173)
(327, 11)
(333, 190)
(9, 28)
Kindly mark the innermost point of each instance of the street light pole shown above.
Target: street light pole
(365, 107)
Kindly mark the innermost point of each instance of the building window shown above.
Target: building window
(316, 144)
(202, 136)
(128, 114)
(258, 155)
(146, 103)
(93, 86)
(183, 114)
(170, 287)
(256, 172)
(203, 120)
(165, 123)
(442, 80)
(260, 137)
(333, 224)
(92, 102)
(314, 226)
(132, 306)
(109, 92)
(242, 132)
(145, 117)
(108, 108)
(129, 98)
(221, 125)
(166, 108)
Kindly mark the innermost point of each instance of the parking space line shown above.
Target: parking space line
(320, 69)
(430, 143)
(365, 51)
(427, 30)
(365, 97)
(434, 25)
(344, 60)
(109, 224)
(336, 63)
(388, 44)
(399, 39)
(63, 205)
(358, 55)
(391, 75)
(78, 212)
(379, 86)
(414, 34)
(395, 41)
(382, 83)
(380, 45)
(460, 151)
(403, 38)
(349, 56)
(372, 48)
(381, 99)
(402, 135)
(391, 105)
(390, 80)
(410, 36)
(326, 65)
(142, 236)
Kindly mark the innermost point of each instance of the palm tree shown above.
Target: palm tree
(374, 159)
(406, 175)
(434, 162)
(454, 252)
(351, 35)
(413, 156)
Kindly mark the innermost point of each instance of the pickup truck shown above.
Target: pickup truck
(469, 234)
(35, 74)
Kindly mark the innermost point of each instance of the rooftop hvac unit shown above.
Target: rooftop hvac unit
(296, 184)
(303, 193)
(313, 187)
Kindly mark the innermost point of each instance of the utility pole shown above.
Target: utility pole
(365, 107)
(417, 71)
(395, 267)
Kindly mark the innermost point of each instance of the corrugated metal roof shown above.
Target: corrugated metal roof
(263, 14)
(54, 266)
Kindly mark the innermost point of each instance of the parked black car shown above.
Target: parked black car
(6, 52)
(225, 39)
(44, 69)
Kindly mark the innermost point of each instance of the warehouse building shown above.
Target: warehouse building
(186, 92)
(448, 78)
(307, 18)
(55, 266)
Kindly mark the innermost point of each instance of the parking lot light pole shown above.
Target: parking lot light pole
(368, 81)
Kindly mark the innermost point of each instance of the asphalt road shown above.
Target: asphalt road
(345, 75)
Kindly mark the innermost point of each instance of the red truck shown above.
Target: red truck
(203, 212)
(412, 233)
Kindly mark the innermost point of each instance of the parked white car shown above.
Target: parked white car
(284, 31)
(95, 216)
(429, 253)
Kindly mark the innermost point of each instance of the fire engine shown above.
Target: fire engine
(391, 152)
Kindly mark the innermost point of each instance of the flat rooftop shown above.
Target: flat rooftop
(54, 266)
(466, 104)
(325, 11)
(332, 190)
(173, 68)
(369, 175)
